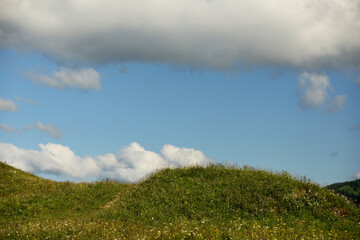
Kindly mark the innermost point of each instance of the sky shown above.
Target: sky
(118, 89)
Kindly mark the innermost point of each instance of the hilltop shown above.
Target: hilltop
(215, 202)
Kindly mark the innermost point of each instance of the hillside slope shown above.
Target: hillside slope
(350, 189)
(24, 195)
(188, 203)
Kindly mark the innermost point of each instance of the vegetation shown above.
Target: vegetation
(187, 203)
(350, 189)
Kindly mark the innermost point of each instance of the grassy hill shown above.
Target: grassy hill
(350, 189)
(188, 203)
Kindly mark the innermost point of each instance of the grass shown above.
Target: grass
(186, 203)
(350, 189)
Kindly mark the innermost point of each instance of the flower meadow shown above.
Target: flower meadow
(102, 229)
(215, 202)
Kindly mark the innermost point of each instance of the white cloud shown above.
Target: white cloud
(314, 91)
(130, 164)
(337, 103)
(7, 105)
(46, 128)
(183, 156)
(7, 128)
(32, 102)
(200, 33)
(86, 78)
(357, 175)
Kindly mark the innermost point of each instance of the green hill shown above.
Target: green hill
(350, 189)
(188, 203)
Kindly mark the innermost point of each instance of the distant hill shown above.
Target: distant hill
(349, 189)
(185, 203)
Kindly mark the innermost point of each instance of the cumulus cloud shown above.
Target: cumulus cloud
(215, 34)
(314, 91)
(357, 175)
(130, 163)
(86, 78)
(7, 128)
(7, 105)
(46, 128)
(183, 156)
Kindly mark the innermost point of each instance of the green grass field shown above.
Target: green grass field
(215, 202)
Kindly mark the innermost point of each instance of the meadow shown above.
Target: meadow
(213, 202)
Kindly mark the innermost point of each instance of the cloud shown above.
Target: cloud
(183, 156)
(130, 163)
(48, 129)
(337, 103)
(86, 78)
(7, 128)
(355, 127)
(314, 91)
(32, 102)
(357, 175)
(7, 105)
(219, 34)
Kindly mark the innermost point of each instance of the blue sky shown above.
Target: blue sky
(121, 97)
